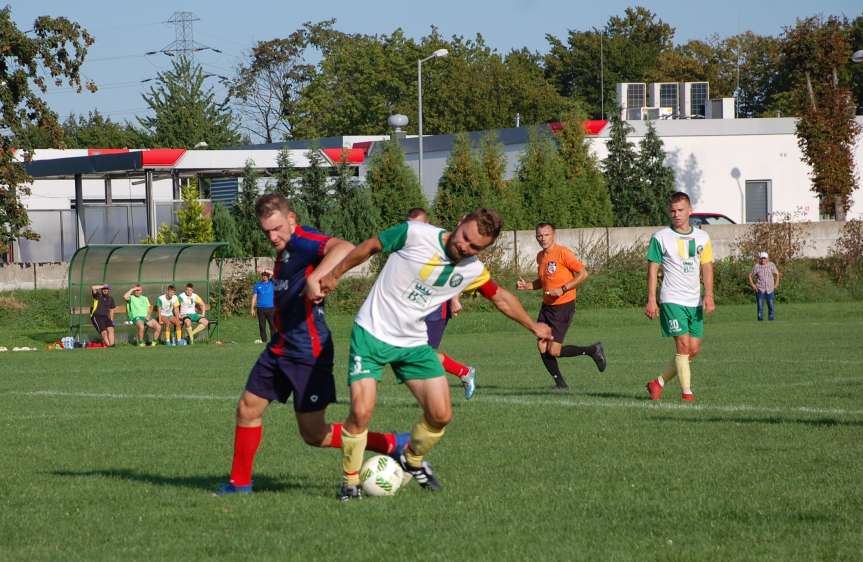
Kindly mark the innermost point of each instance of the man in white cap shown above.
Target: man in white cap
(764, 280)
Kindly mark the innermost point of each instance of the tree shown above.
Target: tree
(500, 194)
(313, 195)
(266, 90)
(225, 230)
(253, 241)
(817, 51)
(193, 224)
(621, 175)
(462, 186)
(286, 175)
(53, 51)
(361, 79)
(352, 216)
(394, 187)
(542, 183)
(590, 204)
(657, 179)
(97, 131)
(185, 111)
(629, 48)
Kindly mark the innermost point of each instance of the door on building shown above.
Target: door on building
(758, 204)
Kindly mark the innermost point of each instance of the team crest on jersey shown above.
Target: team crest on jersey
(286, 256)
(456, 280)
(551, 267)
(699, 250)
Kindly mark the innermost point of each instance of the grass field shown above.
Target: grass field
(112, 454)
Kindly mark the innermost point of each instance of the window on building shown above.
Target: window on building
(635, 95)
(668, 96)
(698, 99)
(758, 203)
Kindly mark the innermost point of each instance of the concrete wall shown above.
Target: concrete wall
(590, 244)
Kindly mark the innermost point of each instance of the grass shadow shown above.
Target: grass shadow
(771, 420)
(627, 396)
(204, 482)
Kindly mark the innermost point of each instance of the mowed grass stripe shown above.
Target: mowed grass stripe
(493, 400)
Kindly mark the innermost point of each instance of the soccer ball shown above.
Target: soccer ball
(381, 476)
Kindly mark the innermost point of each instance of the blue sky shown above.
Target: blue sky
(126, 30)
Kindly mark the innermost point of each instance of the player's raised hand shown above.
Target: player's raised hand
(542, 331)
(651, 310)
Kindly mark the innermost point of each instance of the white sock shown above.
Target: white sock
(661, 381)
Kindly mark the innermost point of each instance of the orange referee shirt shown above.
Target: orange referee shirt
(556, 267)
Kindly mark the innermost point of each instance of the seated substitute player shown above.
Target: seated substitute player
(168, 306)
(298, 360)
(190, 304)
(426, 267)
(559, 273)
(102, 313)
(436, 323)
(138, 311)
(685, 254)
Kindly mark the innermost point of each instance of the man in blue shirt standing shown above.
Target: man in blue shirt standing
(263, 307)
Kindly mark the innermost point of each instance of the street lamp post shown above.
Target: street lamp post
(437, 54)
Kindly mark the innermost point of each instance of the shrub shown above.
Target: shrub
(846, 255)
(783, 237)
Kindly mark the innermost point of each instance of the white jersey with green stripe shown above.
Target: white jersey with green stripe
(417, 277)
(680, 255)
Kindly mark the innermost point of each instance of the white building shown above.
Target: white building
(743, 168)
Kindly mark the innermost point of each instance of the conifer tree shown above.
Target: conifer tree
(314, 197)
(253, 241)
(352, 216)
(193, 224)
(500, 194)
(394, 187)
(590, 204)
(288, 183)
(657, 179)
(462, 185)
(621, 175)
(542, 182)
(225, 230)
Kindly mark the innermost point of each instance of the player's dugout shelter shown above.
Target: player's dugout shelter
(154, 267)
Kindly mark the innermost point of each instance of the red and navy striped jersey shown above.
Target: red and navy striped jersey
(301, 330)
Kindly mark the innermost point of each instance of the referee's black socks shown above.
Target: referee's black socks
(576, 350)
(550, 362)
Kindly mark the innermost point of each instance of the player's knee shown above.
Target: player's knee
(439, 418)
(248, 412)
(313, 437)
(361, 416)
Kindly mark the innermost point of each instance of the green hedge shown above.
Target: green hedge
(803, 280)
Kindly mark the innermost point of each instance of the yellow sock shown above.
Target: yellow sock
(423, 438)
(670, 371)
(353, 448)
(198, 328)
(682, 364)
(179, 333)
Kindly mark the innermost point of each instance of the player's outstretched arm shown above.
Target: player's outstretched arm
(511, 307)
(651, 309)
(707, 279)
(355, 257)
(335, 251)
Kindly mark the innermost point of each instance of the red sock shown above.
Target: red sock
(336, 435)
(454, 367)
(381, 442)
(246, 442)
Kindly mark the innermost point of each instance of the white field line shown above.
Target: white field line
(505, 400)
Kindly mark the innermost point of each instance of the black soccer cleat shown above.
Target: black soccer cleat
(422, 474)
(348, 493)
(599, 356)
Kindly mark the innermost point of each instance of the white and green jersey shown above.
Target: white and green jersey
(681, 256)
(417, 278)
(188, 302)
(166, 305)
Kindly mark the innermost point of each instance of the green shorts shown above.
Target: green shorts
(141, 318)
(369, 355)
(677, 320)
(194, 317)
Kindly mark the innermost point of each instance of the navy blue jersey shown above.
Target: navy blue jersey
(301, 331)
